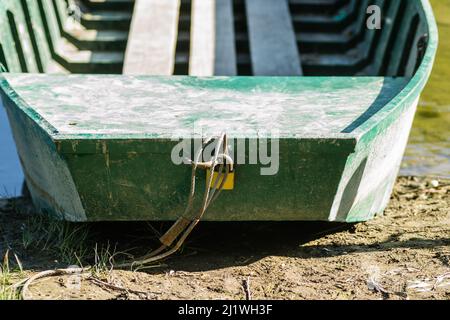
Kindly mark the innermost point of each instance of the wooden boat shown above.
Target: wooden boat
(95, 98)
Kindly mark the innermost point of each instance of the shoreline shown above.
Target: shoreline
(402, 254)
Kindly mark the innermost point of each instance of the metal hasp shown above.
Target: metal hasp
(98, 147)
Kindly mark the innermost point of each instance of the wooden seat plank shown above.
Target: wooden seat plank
(153, 38)
(213, 48)
(273, 45)
(226, 62)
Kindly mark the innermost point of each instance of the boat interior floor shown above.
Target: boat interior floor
(212, 38)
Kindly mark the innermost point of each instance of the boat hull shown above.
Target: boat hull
(346, 178)
(98, 148)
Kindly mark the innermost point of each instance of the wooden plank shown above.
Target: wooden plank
(201, 60)
(273, 43)
(213, 48)
(153, 38)
(226, 64)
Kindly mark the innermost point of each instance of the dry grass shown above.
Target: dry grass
(7, 277)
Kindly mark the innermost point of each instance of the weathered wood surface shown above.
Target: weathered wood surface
(226, 64)
(203, 38)
(153, 38)
(273, 44)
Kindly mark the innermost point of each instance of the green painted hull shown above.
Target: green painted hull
(341, 168)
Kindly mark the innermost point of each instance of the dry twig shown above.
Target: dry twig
(246, 285)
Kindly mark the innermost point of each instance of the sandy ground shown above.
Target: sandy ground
(403, 254)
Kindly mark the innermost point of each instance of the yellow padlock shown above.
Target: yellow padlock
(229, 183)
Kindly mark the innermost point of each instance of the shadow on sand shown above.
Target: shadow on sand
(215, 246)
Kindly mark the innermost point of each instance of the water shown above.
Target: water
(428, 152)
(11, 176)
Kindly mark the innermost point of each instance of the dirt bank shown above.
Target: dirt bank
(404, 254)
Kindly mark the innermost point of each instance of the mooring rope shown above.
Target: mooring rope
(185, 224)
(182, 228)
